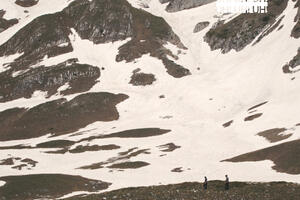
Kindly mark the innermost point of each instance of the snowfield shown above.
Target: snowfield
(194, 108)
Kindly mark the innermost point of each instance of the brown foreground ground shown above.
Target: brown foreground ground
(194, 191)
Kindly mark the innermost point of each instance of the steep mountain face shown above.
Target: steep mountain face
(100, 21)
(243, 29)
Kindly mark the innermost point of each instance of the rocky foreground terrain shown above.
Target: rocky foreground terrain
(194, 191)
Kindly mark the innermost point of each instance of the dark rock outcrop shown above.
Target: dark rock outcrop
(6, 23)
(80, 77)
(141, 79)
(296, 30)
(200, 26)
(289, 68)
(243, 29)
(60, 116)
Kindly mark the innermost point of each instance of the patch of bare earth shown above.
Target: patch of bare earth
(60, 116)
(26, 3)
(286, 157)
(46, 186)
(274, 135)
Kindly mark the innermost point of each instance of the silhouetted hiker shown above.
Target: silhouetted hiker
(205, 183)
(226, 183)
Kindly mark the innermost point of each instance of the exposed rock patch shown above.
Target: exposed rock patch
(286, 157)
(60, 116)
(200, 26)
(142, 79)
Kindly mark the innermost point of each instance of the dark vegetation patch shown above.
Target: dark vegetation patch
(252, 117)
(227, 124)
(129, 165)
(127, 155)
(139, 78)
(26, 3)
(168, 147)
(286, 157)
(243, 29)
(80, 77)
(194, 191)
(46, 186)
(258, 105)
(60, 116)
(6, 23)
(273, 135)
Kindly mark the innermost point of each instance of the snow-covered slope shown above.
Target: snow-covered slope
(221, 88)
